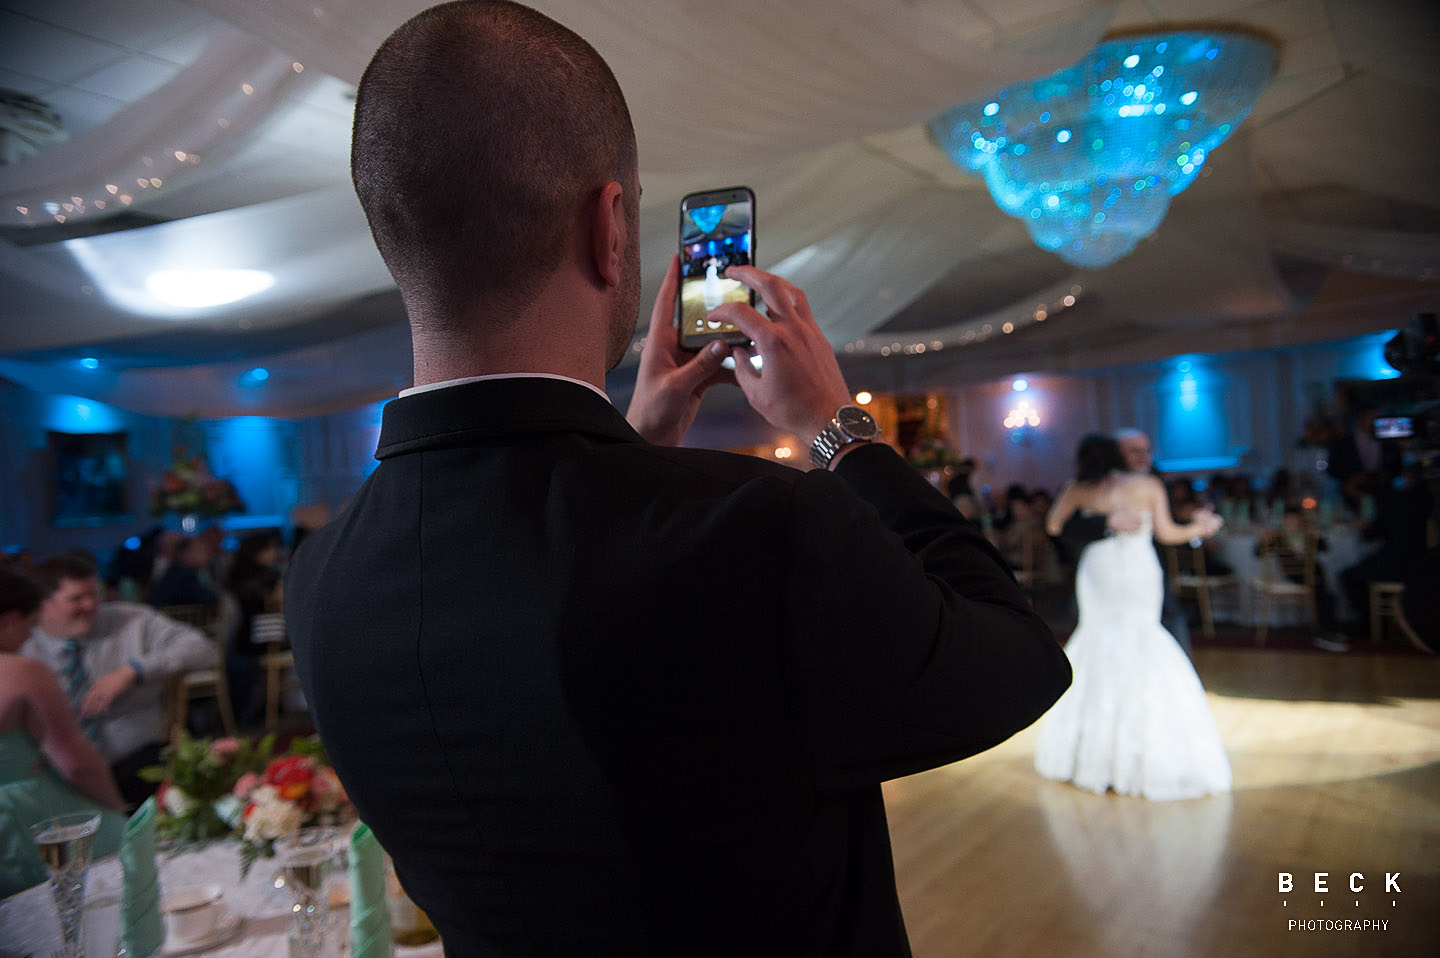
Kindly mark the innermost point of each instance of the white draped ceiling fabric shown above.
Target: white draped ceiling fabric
(239, 160)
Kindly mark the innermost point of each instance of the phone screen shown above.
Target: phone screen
(717, 231)
(1393, 427)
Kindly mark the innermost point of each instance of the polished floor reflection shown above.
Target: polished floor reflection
(1337, 770)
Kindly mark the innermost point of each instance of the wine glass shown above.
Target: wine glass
(305, 861)
(64, 844)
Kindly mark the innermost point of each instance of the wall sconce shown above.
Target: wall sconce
(1021, 416)
(1021, 422)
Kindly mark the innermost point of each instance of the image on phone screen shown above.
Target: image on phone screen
(716, 232)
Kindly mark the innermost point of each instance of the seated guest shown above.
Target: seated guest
(254, 583)
(1183, 501)
(1016, 505)
(1241, 496)
(112, 660)
(1018, 527)
(47, 765)
(1040, 503)
(184, 580)
(1282, 490)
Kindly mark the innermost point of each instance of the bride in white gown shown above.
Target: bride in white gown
(1134, 718)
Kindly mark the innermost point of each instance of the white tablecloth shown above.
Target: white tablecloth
(28, 923)
(1238, 604)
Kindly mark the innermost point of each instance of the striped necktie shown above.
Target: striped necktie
(77, 683)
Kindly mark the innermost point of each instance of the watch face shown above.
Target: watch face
(856, 422)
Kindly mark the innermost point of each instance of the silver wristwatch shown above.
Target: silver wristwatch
(850, 424)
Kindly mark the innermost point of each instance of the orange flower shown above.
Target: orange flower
(291, 776)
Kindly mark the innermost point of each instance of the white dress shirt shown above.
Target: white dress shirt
(123, 632)
(476, 379)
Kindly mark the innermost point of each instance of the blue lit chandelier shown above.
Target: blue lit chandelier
(1089, 156)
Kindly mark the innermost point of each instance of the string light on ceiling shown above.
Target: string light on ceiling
(1089, 156)
(1007, 322)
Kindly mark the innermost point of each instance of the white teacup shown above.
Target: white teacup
(193, 913)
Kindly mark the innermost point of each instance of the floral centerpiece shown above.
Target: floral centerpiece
(197, 782)
(188, 487)
(293, 792)
(231, 786)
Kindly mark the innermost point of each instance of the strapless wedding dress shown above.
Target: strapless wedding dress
(1135, 717)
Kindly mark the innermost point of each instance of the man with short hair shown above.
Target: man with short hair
(597, 694)
(112, 660)
(1135, 447)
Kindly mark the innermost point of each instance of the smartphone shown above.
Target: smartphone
(717, 231)
(1394, 427)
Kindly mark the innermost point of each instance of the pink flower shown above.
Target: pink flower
(329, 793)
(222, 749)
(246, 784)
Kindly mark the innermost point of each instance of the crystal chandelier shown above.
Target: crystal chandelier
(1089, 156)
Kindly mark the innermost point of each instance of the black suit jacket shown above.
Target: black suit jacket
(598, 697)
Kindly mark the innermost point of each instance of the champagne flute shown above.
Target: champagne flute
(64, 845)
(305, 862)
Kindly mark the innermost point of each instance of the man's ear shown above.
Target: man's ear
(608, 237)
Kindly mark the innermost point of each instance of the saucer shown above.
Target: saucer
(228, 928)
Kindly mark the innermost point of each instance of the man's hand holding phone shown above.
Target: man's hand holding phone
(671, 381)
(799, 386)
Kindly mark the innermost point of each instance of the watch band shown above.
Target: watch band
(827, 444)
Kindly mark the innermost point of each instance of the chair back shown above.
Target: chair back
(201, 617)
(268, 628)
(1292, 556)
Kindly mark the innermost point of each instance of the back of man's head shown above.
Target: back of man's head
(481, 128)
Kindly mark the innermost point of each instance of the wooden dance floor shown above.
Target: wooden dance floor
(1337, 770)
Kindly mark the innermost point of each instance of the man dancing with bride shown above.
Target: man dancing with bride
(1135, 718)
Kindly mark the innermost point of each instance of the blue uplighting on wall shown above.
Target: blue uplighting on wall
(254, 377)
(1020, 385)
(77, 414)
(1193, 432)
(1367, 359)
(1089, 156)
(89, 362)
(250, 452)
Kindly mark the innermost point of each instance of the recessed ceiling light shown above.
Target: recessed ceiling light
(203, 288)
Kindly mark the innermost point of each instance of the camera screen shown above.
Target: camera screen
(1393, 427)
(712, 239)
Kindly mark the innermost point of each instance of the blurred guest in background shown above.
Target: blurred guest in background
(1357, 452)
(47, 765)
(1402, 512)
(112, 660)
(254, 584)
(185, 580)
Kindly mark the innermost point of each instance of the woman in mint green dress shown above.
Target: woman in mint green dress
(47, 765)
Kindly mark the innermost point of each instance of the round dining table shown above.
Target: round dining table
(29, 926)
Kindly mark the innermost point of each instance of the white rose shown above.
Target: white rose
(177, 803)
(272, 816)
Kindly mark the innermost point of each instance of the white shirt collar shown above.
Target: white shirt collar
(428, 387)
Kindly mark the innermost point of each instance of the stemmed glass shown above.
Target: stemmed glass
(305, 861)
(64, 844)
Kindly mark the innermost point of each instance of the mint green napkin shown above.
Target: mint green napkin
(141, 930)
(369, 921)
